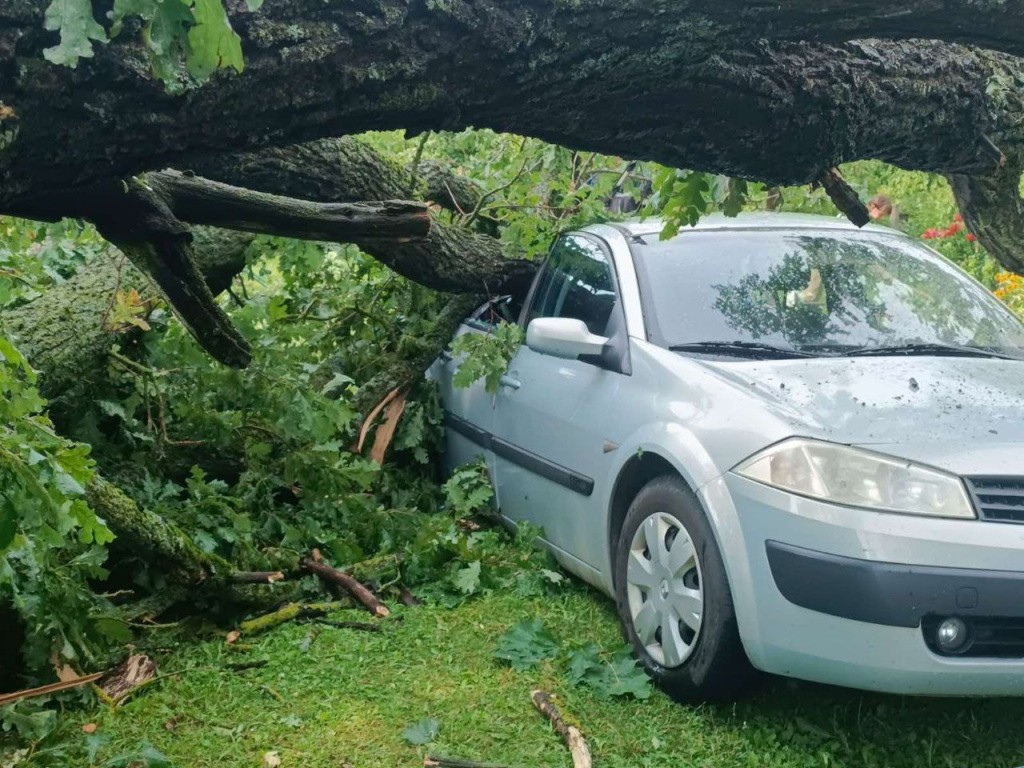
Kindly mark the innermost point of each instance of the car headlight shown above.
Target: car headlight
(858, 478)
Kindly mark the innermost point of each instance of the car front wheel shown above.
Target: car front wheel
(673, 596)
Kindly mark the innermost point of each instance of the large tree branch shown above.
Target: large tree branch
(200, 201)
(64, 334)
(148, 218)
(994, 210)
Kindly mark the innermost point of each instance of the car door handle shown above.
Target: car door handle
(508, 381)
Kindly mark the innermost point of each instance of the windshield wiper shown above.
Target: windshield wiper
(741, 349)
(945, 350)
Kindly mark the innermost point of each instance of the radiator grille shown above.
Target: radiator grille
(998, 499)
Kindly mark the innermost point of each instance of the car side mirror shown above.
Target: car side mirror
(563, 337)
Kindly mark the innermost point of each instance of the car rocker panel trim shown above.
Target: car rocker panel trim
(889, 593)
(529, 461)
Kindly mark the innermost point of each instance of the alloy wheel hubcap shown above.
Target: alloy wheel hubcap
(664, 589)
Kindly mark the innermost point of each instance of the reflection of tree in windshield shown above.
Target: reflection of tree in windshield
(809, 297)
(838, 292)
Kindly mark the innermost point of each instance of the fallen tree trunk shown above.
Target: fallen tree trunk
(63, 333)
(595, 75)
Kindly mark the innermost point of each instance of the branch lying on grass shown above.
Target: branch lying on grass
(45, 690)
(430, 761)
(362, 626)
(290, 612)
(571, 735)
(333, 576)
(256, 577)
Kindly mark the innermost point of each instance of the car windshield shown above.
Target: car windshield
(815, 291)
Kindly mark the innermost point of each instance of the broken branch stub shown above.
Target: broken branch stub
(571, 735)
(339, 578)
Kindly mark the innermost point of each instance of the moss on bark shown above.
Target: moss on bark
(154, 539)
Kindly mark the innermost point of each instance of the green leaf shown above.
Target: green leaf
(77, 27)
(735, 197)
(149, 756)
(423, 732)
(113, 629)
(94, 742)
(31, 726)
(526, 644)
(622, 676)
(212, 42)
(467, 580)
(168, 29)
(254, 5)
(144, 9)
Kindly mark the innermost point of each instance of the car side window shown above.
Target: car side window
(576, 282)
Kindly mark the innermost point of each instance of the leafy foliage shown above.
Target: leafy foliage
(187, 40)
(51, 542)
(29, 720)
(486, 356)
(468, 491)
(78, 29)
(35, 256)
(621, 675)
(526, 644)
(422, 732)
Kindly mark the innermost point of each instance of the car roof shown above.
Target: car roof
(718, 221)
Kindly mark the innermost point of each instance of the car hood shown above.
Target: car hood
(940, 410)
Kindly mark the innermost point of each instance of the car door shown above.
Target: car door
(551, 434)
(468, 412)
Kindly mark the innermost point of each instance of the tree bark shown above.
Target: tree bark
(993, 210)
(564, 727)
(63, 332)
(147, 535)
(628, 77)
(776, 92)
(341, 579)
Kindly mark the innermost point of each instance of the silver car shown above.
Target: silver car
(779, 442)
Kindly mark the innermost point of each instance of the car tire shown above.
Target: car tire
(705, 661)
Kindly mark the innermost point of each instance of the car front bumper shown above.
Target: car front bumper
(837, 595)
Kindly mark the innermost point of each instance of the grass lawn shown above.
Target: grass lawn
(346, 699)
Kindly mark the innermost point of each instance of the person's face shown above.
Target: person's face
(875, 212)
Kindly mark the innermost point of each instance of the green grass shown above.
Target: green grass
(349, 697)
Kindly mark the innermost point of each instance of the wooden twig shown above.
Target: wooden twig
(845, 197)
(256, 577)
(246, 665)
(405, 597)
(362, 626)
(362, 595)
(290, 612)
(416, 163)
(386, 431)
(571, 735)
(30, 693)
(433, 761)
(272, 693)
(136, 671)
(372, 416)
